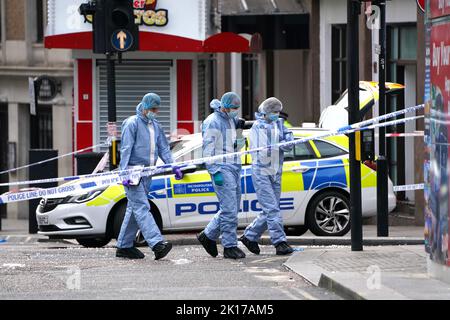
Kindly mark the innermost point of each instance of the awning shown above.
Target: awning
(152, 41)
(260, 7)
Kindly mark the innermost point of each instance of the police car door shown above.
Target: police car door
(192, 200)
(293, 191)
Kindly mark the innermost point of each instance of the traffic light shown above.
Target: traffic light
(113, 25)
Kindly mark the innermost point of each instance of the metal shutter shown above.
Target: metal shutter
(133, 80)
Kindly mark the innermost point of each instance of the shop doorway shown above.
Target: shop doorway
(401, 68)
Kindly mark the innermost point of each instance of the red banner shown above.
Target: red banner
(439, 171)
(439, 8)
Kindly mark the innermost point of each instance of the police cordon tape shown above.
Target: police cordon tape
(156, 169)
(403, 135)
(161, 168)
(105, 179)
(409, 187)
(56, 158)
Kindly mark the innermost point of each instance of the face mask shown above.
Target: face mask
(273, 116)
(233, 114)
(151, 116)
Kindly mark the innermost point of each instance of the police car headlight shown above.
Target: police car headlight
(84, 197)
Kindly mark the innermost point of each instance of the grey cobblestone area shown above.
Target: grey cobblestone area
(359, 262)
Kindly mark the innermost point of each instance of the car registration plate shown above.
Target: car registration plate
(43, 221)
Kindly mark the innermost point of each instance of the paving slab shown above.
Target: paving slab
(376, 273)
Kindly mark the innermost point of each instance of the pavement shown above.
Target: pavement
(376, 273)
(17, 231)
(392, 268)
(57, 271)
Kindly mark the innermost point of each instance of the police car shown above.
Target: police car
(315, 195)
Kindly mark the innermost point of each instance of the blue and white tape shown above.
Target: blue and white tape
(409, 187)
(100, 180)
(55, 158)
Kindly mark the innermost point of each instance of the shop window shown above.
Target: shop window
(41, 128)
(339, 60)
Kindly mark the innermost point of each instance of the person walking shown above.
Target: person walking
(143, 141)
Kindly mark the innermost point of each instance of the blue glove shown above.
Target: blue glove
(218, 179)
(178, 173)
(126, 183)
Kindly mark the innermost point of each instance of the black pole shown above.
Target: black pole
(111, 75)
(382, 164)
(353, 11)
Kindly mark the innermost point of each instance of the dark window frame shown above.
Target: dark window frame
(342, 152)
(41, 128)
(338, 60)
(40, 16)
(1, 22)
(396, 101)
(250, 66)
(312, 154)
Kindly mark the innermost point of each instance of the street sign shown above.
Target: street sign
(47, 88)
(122, 40)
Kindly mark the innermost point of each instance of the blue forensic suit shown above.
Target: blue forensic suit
(143, 141)
(267, 169)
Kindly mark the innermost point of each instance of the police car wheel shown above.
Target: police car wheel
(94, 242)
(329, 214)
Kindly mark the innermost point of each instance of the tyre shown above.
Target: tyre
(94, 242)
(296, 230)
(120, 214)
(328, 214)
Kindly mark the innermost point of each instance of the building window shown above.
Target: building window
(39, 21)
(41, 128)
(339, 60)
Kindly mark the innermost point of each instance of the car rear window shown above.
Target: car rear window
(327, 150)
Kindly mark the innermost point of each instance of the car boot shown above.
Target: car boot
(252, 246)
(233, 253)
(161, 249)
(209, 245)
(283, 249)
(129, 253)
